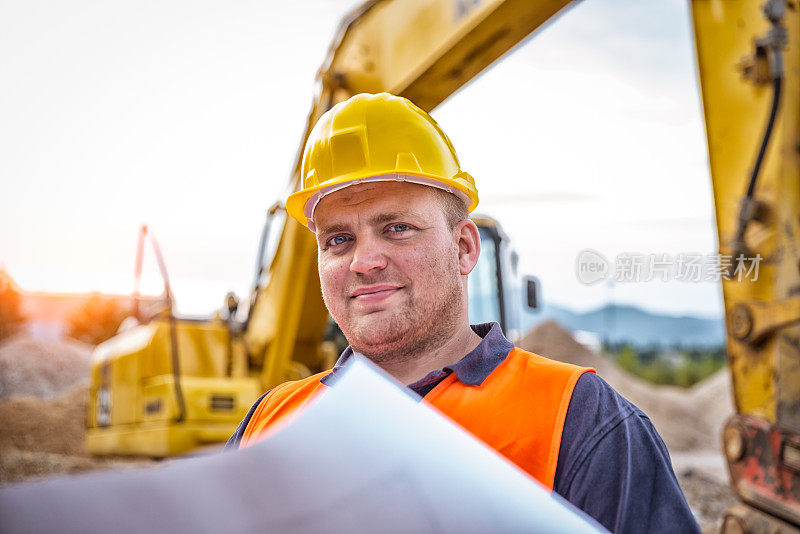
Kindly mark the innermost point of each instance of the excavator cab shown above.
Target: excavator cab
(496, 290)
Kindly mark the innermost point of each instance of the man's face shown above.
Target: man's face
(389, 268)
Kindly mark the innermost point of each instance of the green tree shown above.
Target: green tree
(628, 360)
(695, 365)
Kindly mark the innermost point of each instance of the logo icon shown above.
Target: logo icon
(591, 267)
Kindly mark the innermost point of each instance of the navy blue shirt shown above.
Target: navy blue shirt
(612, 464)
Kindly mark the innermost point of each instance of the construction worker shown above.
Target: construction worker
(383, 191)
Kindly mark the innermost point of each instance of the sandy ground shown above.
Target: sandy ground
(44, 395)
(703, 476)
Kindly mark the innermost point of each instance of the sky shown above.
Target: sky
(186, 116)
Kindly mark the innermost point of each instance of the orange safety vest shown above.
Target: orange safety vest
(519, 410)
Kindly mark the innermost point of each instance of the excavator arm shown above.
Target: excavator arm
(749, 65)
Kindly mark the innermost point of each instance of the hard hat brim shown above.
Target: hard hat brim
(301, 204)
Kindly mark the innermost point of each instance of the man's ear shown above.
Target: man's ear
(468, 239)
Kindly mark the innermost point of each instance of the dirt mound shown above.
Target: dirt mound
(40, 425)
(42, 368)
(687, 419)
(43, 402)
(550, 340)
(43, 437)
(714, 397)
(43, 396)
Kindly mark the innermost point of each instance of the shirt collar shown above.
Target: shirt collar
(473, 368)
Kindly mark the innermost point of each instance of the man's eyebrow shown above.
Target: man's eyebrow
(333, 228)
(392, 216)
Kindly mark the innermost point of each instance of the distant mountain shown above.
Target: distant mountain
(638, 327)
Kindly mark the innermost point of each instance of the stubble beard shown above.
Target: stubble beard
(422, 324)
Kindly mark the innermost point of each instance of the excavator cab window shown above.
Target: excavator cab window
(267, 246)
(485, 283)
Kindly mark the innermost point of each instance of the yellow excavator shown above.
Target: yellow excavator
(172, 384)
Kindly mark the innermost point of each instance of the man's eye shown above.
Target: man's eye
(337, 240)
(398, 228)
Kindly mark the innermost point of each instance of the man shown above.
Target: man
(384, 193)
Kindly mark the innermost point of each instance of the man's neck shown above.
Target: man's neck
(413, 369)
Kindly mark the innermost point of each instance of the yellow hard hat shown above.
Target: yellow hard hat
(378, 137)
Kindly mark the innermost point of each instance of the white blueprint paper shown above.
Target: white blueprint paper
(365, 456)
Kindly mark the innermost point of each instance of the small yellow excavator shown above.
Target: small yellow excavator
(172, 384)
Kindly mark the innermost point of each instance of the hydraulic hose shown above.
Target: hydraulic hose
(771, 44)
(776, 96)
(748, 206)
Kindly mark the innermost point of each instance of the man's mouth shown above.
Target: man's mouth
(374, 293)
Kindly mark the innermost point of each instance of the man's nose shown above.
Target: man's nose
(367, 256)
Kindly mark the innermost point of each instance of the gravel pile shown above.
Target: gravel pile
(41, 425)
(43, 403)
(43, 369)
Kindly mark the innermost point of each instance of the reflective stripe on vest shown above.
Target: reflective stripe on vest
(519, 410)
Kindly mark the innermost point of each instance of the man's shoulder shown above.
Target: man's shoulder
(613, 465)
(597, 417)
(594, 402)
